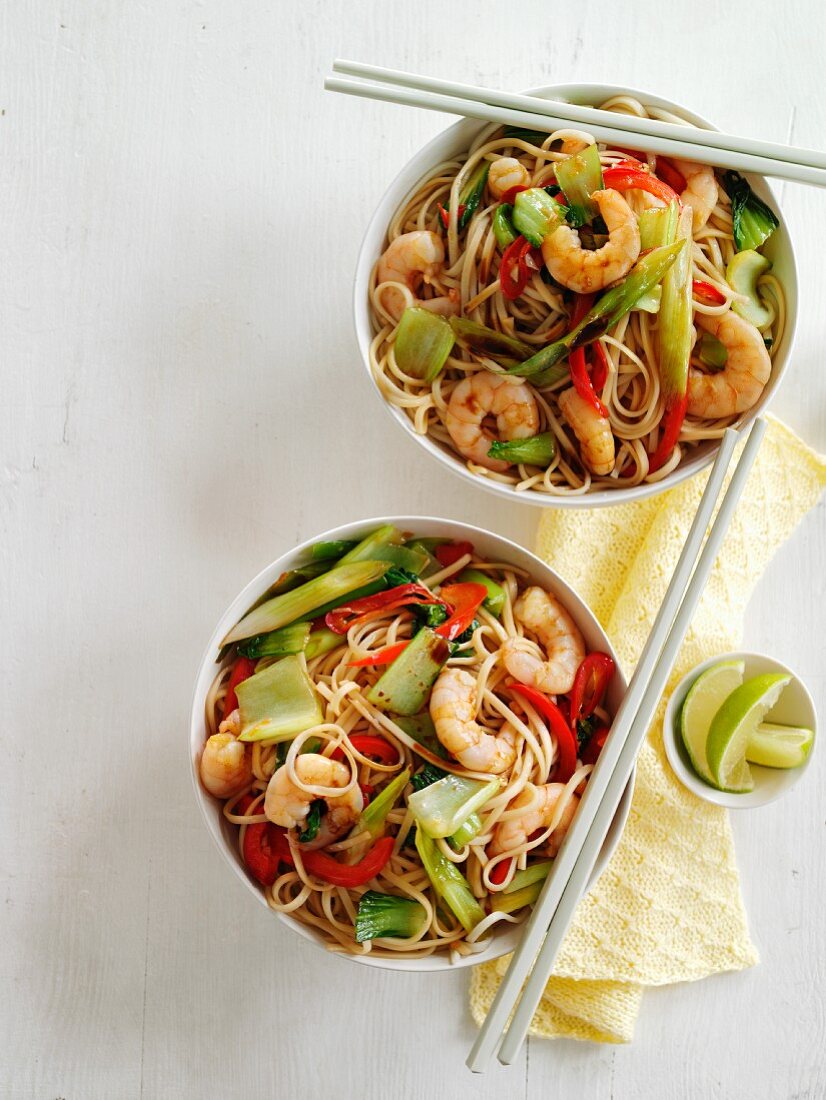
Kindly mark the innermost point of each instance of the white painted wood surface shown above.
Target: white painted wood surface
(181, 400)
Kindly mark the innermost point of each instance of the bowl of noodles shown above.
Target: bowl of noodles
(391, 729)
(568, 323)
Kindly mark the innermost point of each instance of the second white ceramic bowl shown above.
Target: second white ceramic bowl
(454, 141)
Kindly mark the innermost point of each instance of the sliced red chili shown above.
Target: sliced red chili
(595, 745)
(265, 848)
(633, 160)
(670, 425)
(448, 553)
(582, 382)
(368, 744)
(670, 175)
(500, 872)
(601, 367)
(340, 619)
(330, 870)
(444, 213)
(566, 745)
(519, 261)
(380, 657)
(625, 178)
(243, 668)
(707, 293)
(590, 685)
(512, 192)
(582, 303)
(367, 792)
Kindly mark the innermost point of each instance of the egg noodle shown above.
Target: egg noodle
(470, 275)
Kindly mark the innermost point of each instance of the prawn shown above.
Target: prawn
(700, 192)
(543, 615)
(480, 395)
(412, 259)
(587, 271)
(540, 810)
(287, 804)
(739, 384)
(453, 710)
(596, 440)
(505, 173)
(226, 766)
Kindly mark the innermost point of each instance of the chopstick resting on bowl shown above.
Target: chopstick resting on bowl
(554, 910)
(531, 112)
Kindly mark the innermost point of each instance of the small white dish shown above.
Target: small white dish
(794, 708)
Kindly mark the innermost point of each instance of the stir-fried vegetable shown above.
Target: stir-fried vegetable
(536, 450)
(674, 341)
(590, 684)
(388, 915)
(470, 195)
(602, 316)
(503, 228)
(365, 550)
(420, 727)
(340, 619)
(423, 342)
(579, 176)
(243, 668)
(630, 178)
(323, 866)
(487, 341)
(443, 807)
(429, 774)
(658, 226)
(312, 822)
(299, 603)
(405, 686)
(321, 641)
(449, 882)
(520, 261)
(707, 293)
(565, 740)
(742, 275)
(752, 222)
(495, 599)
(278, 702)
(278, 643)
(469, 829)
(374, 815)
(327, 551)
(712, 352)
(536, 215)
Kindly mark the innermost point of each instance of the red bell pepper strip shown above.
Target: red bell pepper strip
(449, 552)
(340, 619)
(582, 303)
(243, 668)
(512, 192)
(369, 744)
(323, 866)
(500, 872)
(623, 178)
(669, 174)
(670, 427)
(265, 846)
(565, 739)
(601, 368)
(707, 293)
(590, 685)
(582, 382)
(595, 745)
(445, 214)
(632, 155)
(519, 260)
(380, 657)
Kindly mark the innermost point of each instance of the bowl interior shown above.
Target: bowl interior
(495, 548)
(454, 141)
(794, 708)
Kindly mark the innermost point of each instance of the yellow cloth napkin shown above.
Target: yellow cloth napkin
(668, 906)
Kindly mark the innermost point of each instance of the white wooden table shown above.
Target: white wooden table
(181, 401)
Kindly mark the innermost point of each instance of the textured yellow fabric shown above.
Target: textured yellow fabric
(668, 906)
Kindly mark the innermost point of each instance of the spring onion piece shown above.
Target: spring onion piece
(752, 222)
(675, 337)
(365, 549)
(321, 641)
(278, 702)
(712, 352)
(404, 687)
(650, 302)
(603, 315)
(741, 275)
(278, 643)
(357, 593)
(658, 227)
(312, 822)
(423, 343)
(471, 193)
(495, 599)
(536, 215)
(537, 450)
(487, 341)
(579, 176)
(340, 581)
(387, 915)
(503, 225)
(537, 872)
(327, 551)
(420, 727)
(509, 903)
(442, 807)
(293, 578)
(449, 882)
(374, 814)
(466, 832)
(532, 137)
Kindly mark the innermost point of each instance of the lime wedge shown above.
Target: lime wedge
(705, 697)
(776, 746)
(732, 726)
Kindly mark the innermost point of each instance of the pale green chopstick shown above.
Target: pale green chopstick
(555, 907)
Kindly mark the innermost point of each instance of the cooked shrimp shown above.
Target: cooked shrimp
(483, 394)
(596, 440)
(453, 710)
(739, 384)
(226, 766)
(540, 805)
(413, 258)
(505, 173)
(585, 271)
(700, 192)
(543, 615)
(287, 805)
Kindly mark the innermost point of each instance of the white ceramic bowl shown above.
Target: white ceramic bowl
(795, 707)
(456, 140)
(495, 548)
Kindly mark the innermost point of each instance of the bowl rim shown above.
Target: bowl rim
(762, 795)
(500, 943)
(424, 158)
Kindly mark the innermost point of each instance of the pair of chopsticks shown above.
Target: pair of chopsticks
(530, 112)
(544, 932)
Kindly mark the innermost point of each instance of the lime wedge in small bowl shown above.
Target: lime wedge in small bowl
(705, 697)
(776, 746)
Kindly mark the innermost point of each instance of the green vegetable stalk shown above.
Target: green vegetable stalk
(537, 450)
(441, 808)
(404, 687)
(382, 915)
(579, 176)
(423, 342)
(449, 882)
(278, 702)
